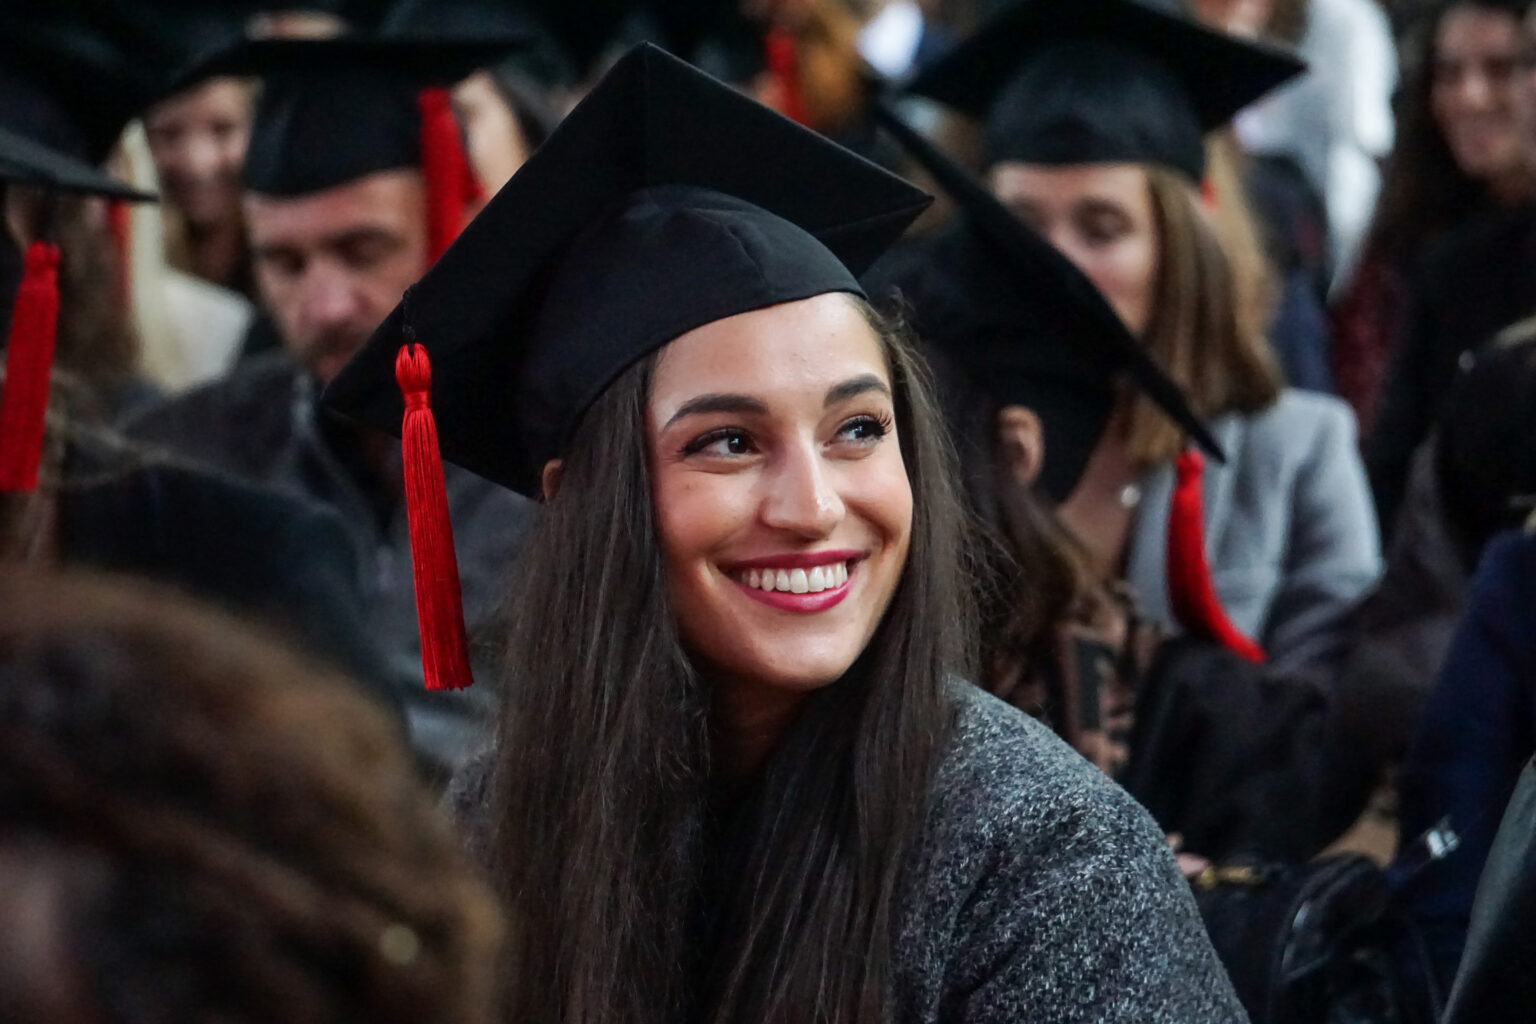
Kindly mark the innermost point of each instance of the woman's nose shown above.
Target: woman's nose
(801, 497)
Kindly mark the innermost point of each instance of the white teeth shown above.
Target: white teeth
(797, 581)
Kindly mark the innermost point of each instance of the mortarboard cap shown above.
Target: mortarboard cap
(541, 60)
(337, 109)
(1099, 81)
(24, 161)
(663, 202)
(67, 84)
(1026, 325)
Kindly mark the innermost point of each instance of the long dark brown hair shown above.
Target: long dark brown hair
(606, 836)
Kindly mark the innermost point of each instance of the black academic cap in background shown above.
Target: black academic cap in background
(24, 161)
(1026, 326)
(337, 109)
(663, 202)
(68, 84)
(1098, 81)
(540, 60)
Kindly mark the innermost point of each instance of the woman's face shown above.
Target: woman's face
(198, 142)
(783, 507)
(1100, 217)
(1479, 93)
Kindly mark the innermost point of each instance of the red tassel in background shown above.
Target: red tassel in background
(28, 364)
(439, 599)
(120, 227)
(783, 60)
(452, 187)
(1190, 590)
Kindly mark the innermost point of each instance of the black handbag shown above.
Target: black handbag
(1317, 943)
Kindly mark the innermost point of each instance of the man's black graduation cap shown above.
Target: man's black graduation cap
(1027, 326)
(663, 202)
(1096, 81)
(334, 110)
(541, 61)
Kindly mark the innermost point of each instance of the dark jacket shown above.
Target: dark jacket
(1468, 285)
(1479, 727)
(1496, 984)
(249, 550)
(262, 423)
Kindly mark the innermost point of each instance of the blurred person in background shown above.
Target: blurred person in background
(197, 824)
(1449, 258)
(1097, 141)
(73, 493)
(197, 139)
(343, 216)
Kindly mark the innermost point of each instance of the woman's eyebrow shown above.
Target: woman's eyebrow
(712, 403)
(853, 387)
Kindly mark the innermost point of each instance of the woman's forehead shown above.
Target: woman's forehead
(792, 351)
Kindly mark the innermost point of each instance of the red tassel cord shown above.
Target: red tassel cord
(783, 60)
(1190, 590)
(28, 365)
(452, 188)
(120, 227)
(439, 599)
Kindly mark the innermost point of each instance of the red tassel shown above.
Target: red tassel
(439, 600)
(783, 60)
(120, 227)
(452, 188)
(1190, 590)
(28, 364)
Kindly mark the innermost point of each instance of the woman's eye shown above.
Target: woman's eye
(864, 429)
(721, 443)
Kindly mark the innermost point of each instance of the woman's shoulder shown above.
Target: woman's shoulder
(1006, 775)
(1310, 412)
(1042, 891)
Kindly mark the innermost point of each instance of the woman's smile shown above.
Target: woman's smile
(812, 581)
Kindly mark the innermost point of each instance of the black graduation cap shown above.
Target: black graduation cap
(1026, 324)
(1095, 81)
(542, 60)
(25, 161)
(67, 83)
(334, 110)
(663, 202)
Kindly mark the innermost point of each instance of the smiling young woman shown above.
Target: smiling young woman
(739, 777)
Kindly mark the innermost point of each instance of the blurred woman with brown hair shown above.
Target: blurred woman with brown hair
(1096, 138)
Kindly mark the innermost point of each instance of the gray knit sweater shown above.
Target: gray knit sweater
(1040, 893)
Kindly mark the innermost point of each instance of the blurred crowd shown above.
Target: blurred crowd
(1267, 565)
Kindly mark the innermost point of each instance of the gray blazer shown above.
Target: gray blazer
(1290, 532)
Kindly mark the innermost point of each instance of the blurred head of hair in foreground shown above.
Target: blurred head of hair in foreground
(196, 825)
